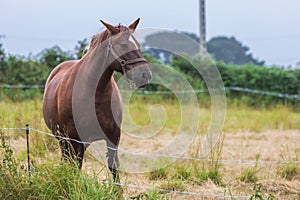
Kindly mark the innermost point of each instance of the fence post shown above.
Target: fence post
(28, 153)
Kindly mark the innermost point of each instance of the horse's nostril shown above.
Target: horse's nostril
(145, 75)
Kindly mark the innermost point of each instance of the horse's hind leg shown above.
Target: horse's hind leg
(65, 149)
(79, 150)
(73, 152)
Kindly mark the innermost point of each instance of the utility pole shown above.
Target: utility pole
(1, 36)
(202, 28)
(1, 50)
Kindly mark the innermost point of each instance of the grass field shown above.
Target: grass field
(262, 136)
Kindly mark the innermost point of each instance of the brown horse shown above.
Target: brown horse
(77, 90)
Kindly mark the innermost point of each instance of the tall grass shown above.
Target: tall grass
(48, 181)
(244, 118)
(238, 118)
(17, 114)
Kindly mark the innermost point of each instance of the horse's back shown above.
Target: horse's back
(60, 70)
(50, 111)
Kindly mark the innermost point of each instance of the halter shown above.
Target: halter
(123, 63)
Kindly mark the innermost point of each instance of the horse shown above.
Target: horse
(87, 85)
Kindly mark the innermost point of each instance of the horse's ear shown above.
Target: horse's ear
(111, 28)
(133, 26)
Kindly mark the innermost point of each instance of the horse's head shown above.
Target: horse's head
(126, 54)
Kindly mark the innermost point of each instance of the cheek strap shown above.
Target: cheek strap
(123, 63)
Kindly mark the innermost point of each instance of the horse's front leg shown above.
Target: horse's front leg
(112, 143)
(113, 161)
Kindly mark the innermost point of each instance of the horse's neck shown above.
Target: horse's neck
(95, 69)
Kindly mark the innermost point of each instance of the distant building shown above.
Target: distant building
(298, 65)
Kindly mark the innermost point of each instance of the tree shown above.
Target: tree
(2, 55)
(21, 70)
(225, 49)
(2, 62)
(81, 48)
(159, 45)
(229, 50)
(54, 56)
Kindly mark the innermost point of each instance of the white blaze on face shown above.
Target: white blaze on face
(133, 41)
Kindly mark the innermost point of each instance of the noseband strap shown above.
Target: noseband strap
(123, 63)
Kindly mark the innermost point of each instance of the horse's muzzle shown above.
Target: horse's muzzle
(143, 78)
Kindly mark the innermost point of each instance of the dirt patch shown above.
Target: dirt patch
(281, 187)
(273, 145)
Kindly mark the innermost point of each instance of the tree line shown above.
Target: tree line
(34, 70)
(226, 49)
(248, 76)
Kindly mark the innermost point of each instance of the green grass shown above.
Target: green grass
(203, 174)
(248, 176)
(161, 173)
(173, 185)
(152, 195)
(53, 182)
(258, 193)
(238, 118)
(289, 172)
(182, 172)
(17, 114)
(48, 181)
(243, 119)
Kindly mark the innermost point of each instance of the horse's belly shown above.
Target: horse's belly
(50, 100)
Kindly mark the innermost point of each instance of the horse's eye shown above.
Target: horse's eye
(124, 46)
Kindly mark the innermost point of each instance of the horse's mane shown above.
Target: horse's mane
(102, 36)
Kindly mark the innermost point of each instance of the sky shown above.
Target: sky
(270, 28)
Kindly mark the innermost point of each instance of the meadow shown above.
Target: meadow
(257, 155)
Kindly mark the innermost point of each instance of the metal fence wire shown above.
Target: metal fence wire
(198, 194)
(196, 91)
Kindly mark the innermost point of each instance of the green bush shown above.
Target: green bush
(274, 79)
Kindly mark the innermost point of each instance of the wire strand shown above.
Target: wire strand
(196, 91)
(163, 155)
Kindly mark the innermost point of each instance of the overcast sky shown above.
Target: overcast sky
(271, 28)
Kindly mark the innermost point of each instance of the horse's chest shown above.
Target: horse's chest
(109, 115)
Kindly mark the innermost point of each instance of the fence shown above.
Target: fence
(231, 88)
(27, 129)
